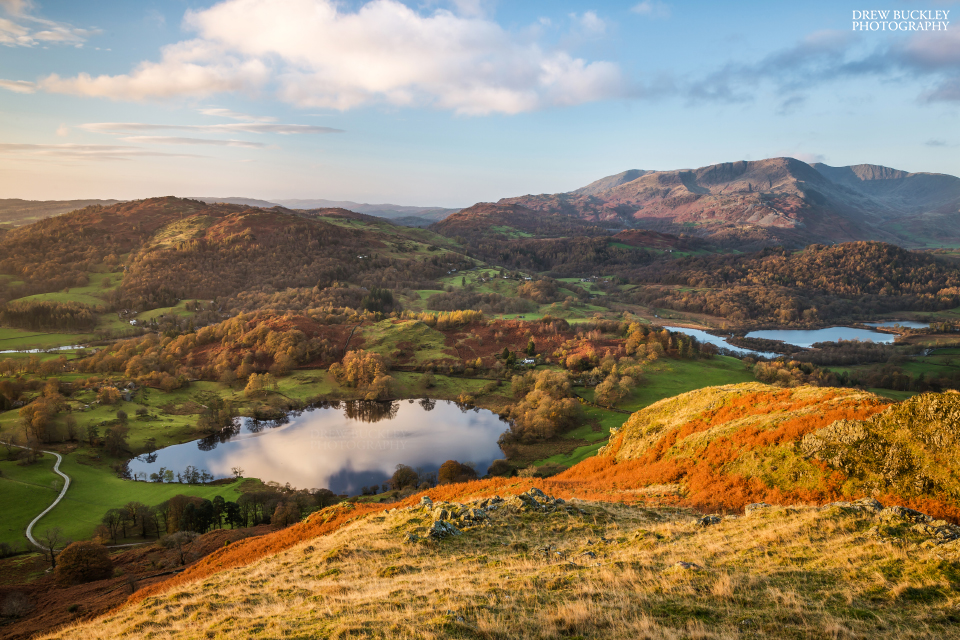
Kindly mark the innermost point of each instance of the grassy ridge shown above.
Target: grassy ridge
(618, 572)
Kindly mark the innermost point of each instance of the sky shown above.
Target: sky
(452, 102)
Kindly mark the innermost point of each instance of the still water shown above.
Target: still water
(906, 324)
(717, 341)
(802, 338)
(341, 446)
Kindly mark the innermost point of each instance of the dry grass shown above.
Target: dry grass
(783, 573)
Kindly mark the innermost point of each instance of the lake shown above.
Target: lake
(806, 338)
(341, 446)
(717, 341)
(906, 324)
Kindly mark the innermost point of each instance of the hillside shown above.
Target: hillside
(172, 249)
(409, 216)
(724, 447)
(854, 280)
(599, 551)
(18, 212)
(533, 566)
(778, 200)
(487, 219)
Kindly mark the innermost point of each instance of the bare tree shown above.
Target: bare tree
(237, 472)
(51, 541)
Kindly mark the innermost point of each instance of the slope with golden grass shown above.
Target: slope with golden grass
(615, 561)
(579, 569)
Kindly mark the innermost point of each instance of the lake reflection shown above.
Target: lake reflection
(341, 446)
(717, 341)
(804, 338)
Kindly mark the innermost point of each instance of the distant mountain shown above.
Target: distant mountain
(249, 202)
(18, 212)
(511, 221)
(401, 214)
(773, 201)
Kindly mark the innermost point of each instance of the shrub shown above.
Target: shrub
(501, 468)
(83, 562)
(403, 477)
(452, 471)
(109, 395)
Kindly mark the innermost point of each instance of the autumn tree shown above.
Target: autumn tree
(452, 471)
(82, 562)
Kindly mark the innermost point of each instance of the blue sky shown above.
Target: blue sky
(453, 102)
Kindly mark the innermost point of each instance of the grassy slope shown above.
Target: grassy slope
(797, 573)
(664, 378)
(25, 491)
(93, 491)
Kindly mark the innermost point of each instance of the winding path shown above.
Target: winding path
(63, 492)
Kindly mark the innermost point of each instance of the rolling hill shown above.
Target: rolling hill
(16, 212)
(404, 215)
(773, 201)
(173, 248)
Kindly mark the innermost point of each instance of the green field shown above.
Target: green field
(93, 491)
(22, 339)
(60, 296)
(25, 491)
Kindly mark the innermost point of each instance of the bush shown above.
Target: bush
(452, 471)
(405, 476)
(83, 562)
(501, 468)
(109, 395)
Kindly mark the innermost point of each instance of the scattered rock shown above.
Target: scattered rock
(863, 505)
(756, 506)
(687, 565)
(442, 529)
(706, 521)
(411, 538)
(441, 514)
(902, 513)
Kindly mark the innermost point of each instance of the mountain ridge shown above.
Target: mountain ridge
(772, 201)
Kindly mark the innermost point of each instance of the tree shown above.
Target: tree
(122, 417)
(50, 540)
(531, 348)
(404, 476)
(72, 429)
(83, 562)
(285, 515)
(93, 434)
(115, 441)
(452, 471)
(237, 472)
(180, 541)
(113, 520)
(108, 395)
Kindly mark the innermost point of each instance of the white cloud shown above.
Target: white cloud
(84, 151)
(314, 53)
(63, 131)
(652, 9)
(16, 7)
(18, 86)
(590, 23)
(23, 29)
(193, 141)
(194, 68)
(245, 127)
(233, 115)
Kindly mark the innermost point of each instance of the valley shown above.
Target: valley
(218, 372)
